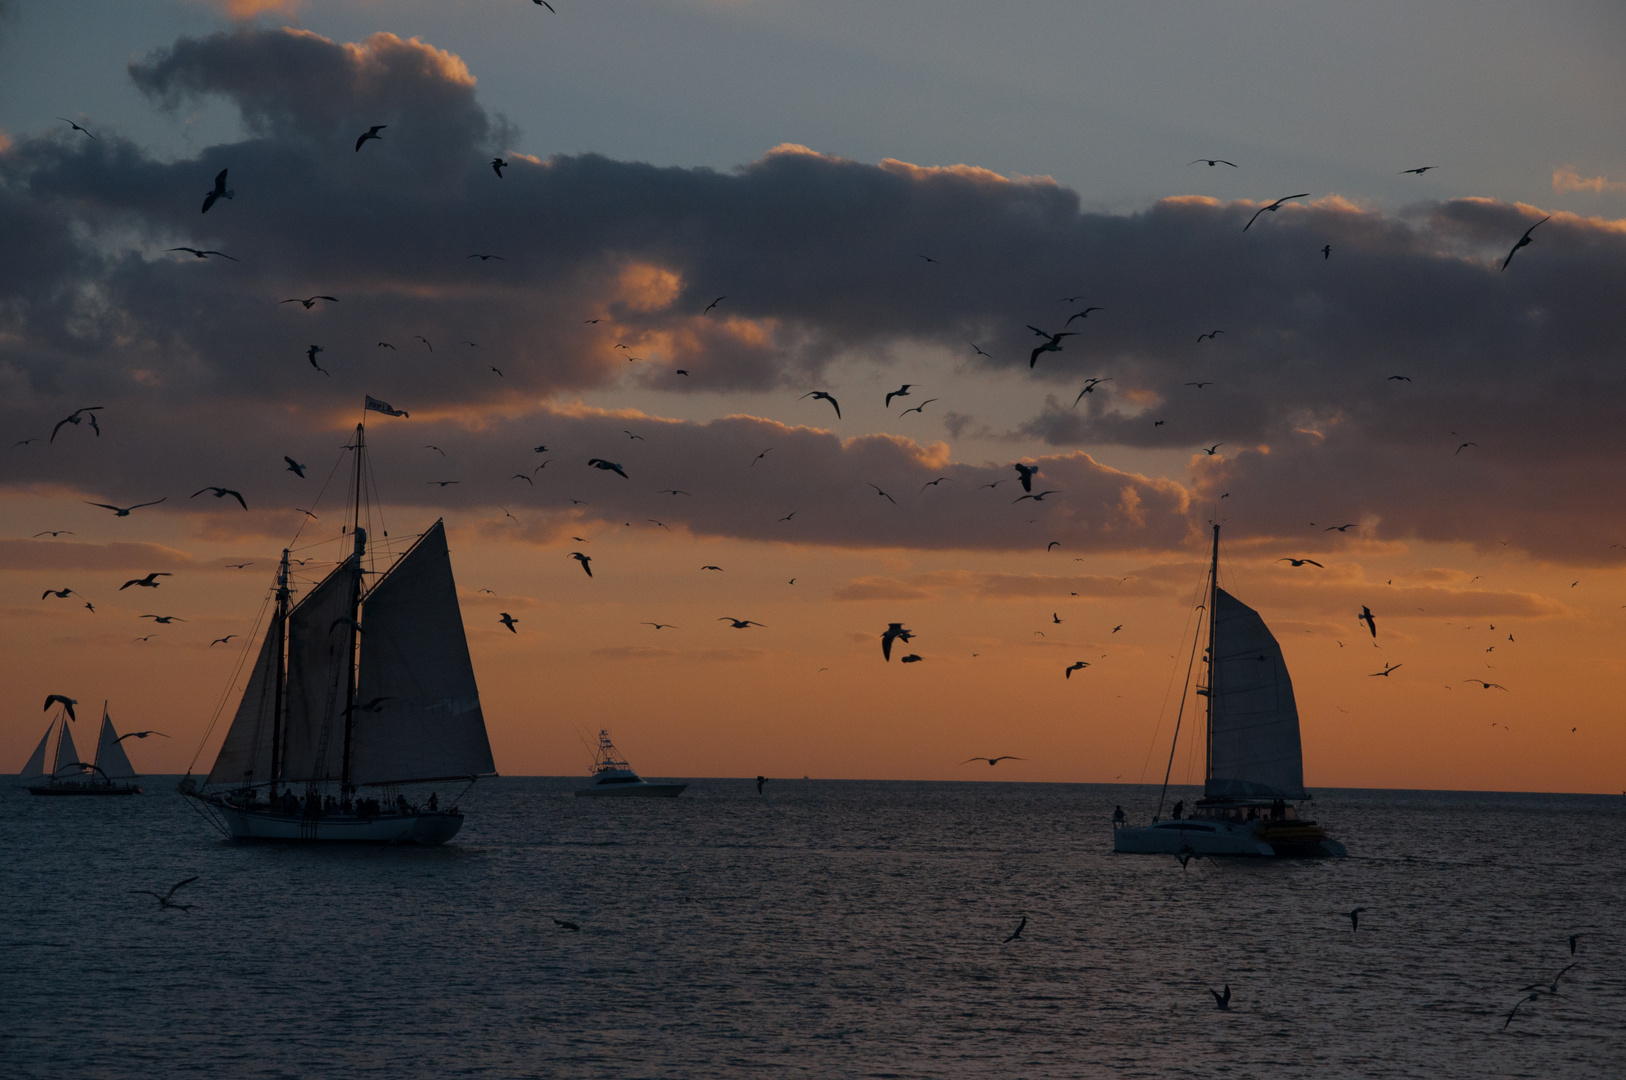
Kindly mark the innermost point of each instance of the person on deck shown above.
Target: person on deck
(1118, 816)
(1179, 808)
(434, 803)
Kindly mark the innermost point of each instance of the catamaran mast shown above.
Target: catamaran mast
(352, 631)
(1213, 594)
(279, 627)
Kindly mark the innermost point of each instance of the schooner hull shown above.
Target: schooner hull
(78, 789)
(428, 828)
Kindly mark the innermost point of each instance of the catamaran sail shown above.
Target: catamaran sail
(1253, 725)
(1255, 763)
(355, 688)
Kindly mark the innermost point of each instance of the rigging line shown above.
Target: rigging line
(1163, 708)
(225, 695)
(303, 521)
(1184, 691)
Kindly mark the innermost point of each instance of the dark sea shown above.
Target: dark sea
(828, 928)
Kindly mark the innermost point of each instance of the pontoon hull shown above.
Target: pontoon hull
(1190, 837)
(426, 828)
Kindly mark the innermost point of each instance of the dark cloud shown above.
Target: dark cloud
(819, 257)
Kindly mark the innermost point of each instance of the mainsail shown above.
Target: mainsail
(417, 711)
(66, 756)
(319, 655)
(35, 768)
(245, 756)
(110, 756)
(1254, 746)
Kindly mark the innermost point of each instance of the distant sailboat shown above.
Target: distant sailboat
(106, 775)
(354, 688)
(1255, 763)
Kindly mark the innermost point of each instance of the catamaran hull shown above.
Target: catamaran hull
(636, 791)
(1217, 838)
(428, 829)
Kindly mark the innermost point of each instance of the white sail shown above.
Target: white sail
(318, 659)
(110, 755)
(67, 758)
(417, 706)
(35, 769)
(1254, 732)
(245, 755)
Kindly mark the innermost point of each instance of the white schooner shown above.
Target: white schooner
(356, 692)
(1255, 763)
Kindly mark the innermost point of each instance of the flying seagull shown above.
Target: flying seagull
(509, 621)
(149, 582)
(203, 254)
(73, 418)
(498, 165)
(1036, 498)
(73, 125)
(1026, 472)
(1273, 207)
(484, 258)
(1420, 170)
(912, 658)
(1052, 345)
(585, 560)
(310, 301)
(371, 133)
(294, 467)
(608, 466)
(218, 192)
(884, 495)
(902, 391)
(67, 703)
(221, 641)
(1210, 162)
(1300, 562)
(1080, 315)
(1388, 669)
(1523, 241)
(1326, 252)
(221, 493)
(1208, 336)
(1077, 665)
(60, 594)
(310, 354)
(739, 624)
(1366, 617)
(123, 511)
(1222, 1001)
(918, 408)
(894, 632)
(993, 760)
(713, 304)
(1488, 685)
(1018, 932)
(143, 734)
(820, 395)
(1089, 388)
(167, 899)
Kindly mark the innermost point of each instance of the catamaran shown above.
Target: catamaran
(106, 775)
(356, 692)
(1255, 764)
(613, 776)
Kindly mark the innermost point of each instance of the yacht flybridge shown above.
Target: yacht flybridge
(1255, 765)
(355, 692)
(613, 776)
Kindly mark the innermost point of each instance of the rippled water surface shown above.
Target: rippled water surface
(828, 929)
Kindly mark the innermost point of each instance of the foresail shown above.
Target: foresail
(245, 755)
(1254, 738)
(318, 658)
(35, 767)
(67, 758)
(110, 755)
(417, 706)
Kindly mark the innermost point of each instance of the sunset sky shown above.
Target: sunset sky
(882, 194)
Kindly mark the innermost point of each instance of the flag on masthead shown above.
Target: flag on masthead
(384, 407)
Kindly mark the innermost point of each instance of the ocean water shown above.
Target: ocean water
(830, 928)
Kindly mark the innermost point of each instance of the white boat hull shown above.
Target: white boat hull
(635, 791)
(427, 828)
(1201, 837)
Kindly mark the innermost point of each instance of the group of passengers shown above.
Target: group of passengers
(315, 805)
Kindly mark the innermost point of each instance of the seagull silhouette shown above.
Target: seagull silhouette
(1420, 170)
(1018, 932)
(509, 621)
(584, 560)
(60, 594)
(759, 457)
(1089, 388)
(661, 625)
(167, 900)
(993, 760)
(1366, 617)
(498, 165)
(1210, 162)
(221, 493)
(1026, 472)
(739, 624)
(1053, 344)
(203, 254)
(1523, 242)
(894, 632)
(74, 419)
(918, 408)
(884, 495)
(1300, 562)
(222, 640)
(149, 582)
(1222, 1001)
(1388, 669)
(123, 511)
(67, 703)
(73, 125)
(1211, 334)
(902, 391)
(713, 304)
(608, 466)
(371, 133)
(820, 395)
(1036, 498)
(1085, 314)
(310, 354)
(295, 467)
(1273, 207)
(1488, 685)
(1077, 665)
(142, 734)
(217, 192)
